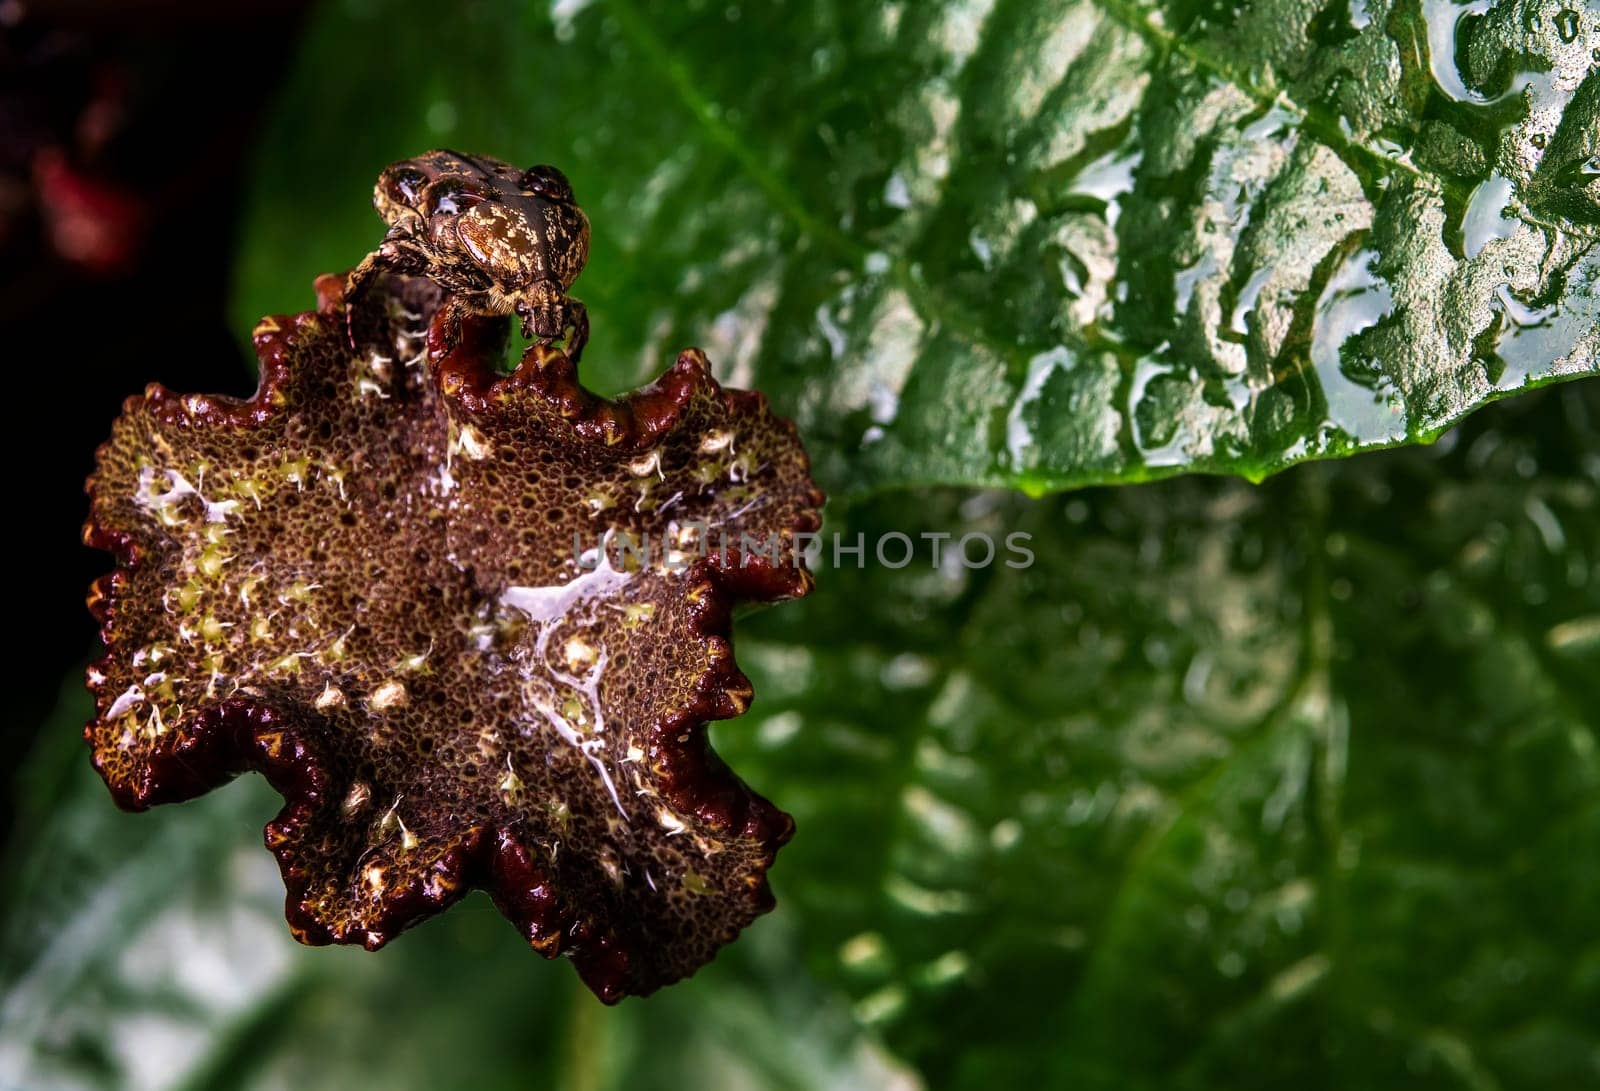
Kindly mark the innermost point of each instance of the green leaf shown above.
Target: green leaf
(1237, 786)
(1011, 242)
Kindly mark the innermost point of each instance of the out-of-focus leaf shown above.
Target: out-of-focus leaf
(1035, 243)
(1236, 786)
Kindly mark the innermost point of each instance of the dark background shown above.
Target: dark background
(125, 136)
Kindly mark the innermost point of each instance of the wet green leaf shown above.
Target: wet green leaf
(1292, 785)
(1013, 242)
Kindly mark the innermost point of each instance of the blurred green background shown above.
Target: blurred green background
(1239, 785)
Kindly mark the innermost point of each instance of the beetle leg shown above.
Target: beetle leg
(578, 316)
(355, 286)
(543, 313)
(397, 254)
(452, 311)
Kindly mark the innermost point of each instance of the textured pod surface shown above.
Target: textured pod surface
(400, 585)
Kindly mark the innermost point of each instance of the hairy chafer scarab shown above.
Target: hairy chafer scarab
(499, 240)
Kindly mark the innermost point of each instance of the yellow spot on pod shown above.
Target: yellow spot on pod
(669, 821)
(510, 784)
(580, 655)
(211, 562)
(387, 696)
(248, 588)
(295, 470)
(636, 612)
(634, 753)
(260, 628)
(299, 591)
(335, 473)
(189, 595)
(330, 697)
(646, 464)
(212, 631)
(250, 489)
(633, 553)
(600, 501)
(473, 444)
(408, 840)
(413, 663)
(560, 813)
(216, 532)
(716, 442)
(336, 651)
(572, 710)
(373, 877)
(695, 883)
(285, 664)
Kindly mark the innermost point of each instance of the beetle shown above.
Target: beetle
(499, 240)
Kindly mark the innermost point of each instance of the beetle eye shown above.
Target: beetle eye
(450, 197)
(406, 184)
(546, 181)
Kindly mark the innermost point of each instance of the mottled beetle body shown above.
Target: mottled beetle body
(499, 240)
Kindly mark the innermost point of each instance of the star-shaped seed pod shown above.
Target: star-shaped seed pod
(470, 625)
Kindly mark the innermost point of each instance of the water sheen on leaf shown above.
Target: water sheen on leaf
(470, 626)
(1035, 243)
